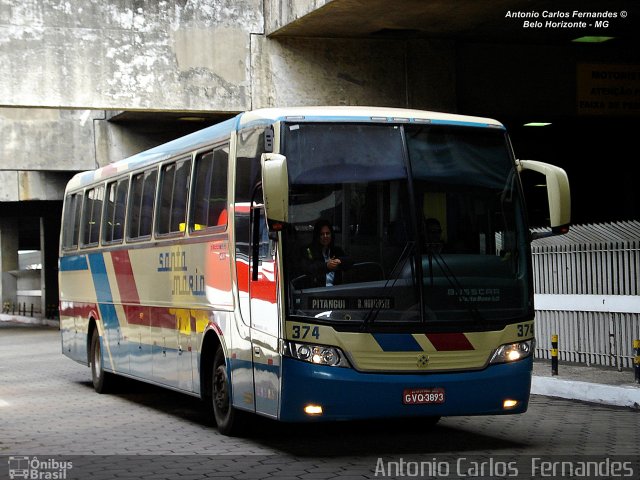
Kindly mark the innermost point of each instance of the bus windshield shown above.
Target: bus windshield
(426, 221)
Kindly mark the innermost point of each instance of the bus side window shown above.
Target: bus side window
(115, 203)
(92, 215)
(71, 226)
(172, 204)
(141, 200)
(209, 200)
(119, 213)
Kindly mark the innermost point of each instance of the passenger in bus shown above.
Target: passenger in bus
(433, 236)
(324, 261)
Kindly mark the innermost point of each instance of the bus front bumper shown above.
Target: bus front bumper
(346, 394)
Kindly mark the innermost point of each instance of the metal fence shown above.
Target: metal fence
(587, 292)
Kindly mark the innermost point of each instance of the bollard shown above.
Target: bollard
(636, 360)
(554, 354)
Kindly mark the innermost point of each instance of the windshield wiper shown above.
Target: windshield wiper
(394, 276)
(453, 281)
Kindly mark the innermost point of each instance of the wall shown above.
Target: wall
(84, 58)
(304, 71)
(127, 54)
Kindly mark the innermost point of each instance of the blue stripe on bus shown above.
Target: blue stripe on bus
(100, 279)
(397, 342)
(103, 291)
(73, 264)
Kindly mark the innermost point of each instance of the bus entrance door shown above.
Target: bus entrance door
(264, 319)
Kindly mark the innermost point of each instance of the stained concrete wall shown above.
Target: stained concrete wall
(305, 71)
(128, 54)
(83, 58)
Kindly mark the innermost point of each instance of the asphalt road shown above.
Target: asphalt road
(53, 422)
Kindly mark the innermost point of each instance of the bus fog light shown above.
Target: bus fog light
(313, 410)
(512, 352)
(508, 404)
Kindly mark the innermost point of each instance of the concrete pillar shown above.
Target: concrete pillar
(49, 241)
(8, 259)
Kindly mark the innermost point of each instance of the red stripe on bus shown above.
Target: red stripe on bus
(450, 341)
(78, 309)
(124, 277)
(163, 317)
(106, 171)
(137, 314)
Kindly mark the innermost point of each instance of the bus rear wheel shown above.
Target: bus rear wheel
(102, 381)
(225, 414)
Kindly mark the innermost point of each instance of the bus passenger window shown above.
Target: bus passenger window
(92, 216)
(143, 189)
(115, 210)
(172, 204)
(209, 198)
(71, 224)
(119, 214)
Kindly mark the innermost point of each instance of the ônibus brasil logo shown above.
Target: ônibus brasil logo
(36, 469)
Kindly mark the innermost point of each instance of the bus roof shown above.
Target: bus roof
(265, 116)
(361, 114)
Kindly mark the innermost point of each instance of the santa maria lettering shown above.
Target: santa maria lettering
(172, 261)
(190, 284)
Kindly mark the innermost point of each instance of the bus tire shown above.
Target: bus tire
(225, 414)
(102, 381)
(431, 421)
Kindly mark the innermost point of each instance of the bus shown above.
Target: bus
(188, 266)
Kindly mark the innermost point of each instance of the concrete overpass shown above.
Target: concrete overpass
(87, 82)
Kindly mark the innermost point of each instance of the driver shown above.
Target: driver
(323, 260)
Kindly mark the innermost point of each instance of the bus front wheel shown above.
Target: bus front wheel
(102, 380)
(225, 414)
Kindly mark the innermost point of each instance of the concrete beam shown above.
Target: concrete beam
(20, 185)
(47, 139)
(283, 13)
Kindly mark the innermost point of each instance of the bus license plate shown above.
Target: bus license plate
(423, 396)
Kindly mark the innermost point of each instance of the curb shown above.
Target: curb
(620, 396)
(29, 320)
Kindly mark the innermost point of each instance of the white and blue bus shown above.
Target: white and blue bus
(193, 266)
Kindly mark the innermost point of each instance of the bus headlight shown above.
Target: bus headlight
(316, 354)
(512, 352)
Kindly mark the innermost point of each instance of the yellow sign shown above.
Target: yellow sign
(604, 89)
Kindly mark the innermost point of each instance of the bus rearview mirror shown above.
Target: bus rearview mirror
(558, 193)
(275, 187)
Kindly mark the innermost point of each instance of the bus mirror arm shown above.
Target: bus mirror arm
(255, 243)
(558, 194)
(275, 187)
